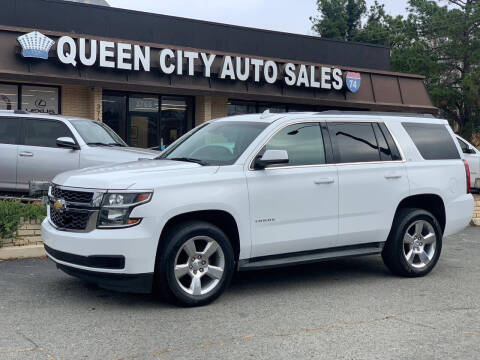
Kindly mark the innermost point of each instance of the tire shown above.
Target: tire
(201, 282)
(411, 255)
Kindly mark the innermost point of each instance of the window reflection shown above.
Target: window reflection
(303, 142)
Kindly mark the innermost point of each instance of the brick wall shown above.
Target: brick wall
(28, 233)
(219, 107)
(476, 211)
(82, 101)
(209, 107)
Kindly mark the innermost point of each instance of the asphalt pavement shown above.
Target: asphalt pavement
(344, 309)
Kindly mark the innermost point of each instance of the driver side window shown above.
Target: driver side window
(303, 142)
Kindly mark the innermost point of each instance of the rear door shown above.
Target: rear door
(9, 137)
(372, 180)
(39, 157)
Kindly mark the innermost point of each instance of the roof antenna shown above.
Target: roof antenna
(265, 114)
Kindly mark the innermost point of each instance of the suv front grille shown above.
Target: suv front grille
(72, 196)
(70, 219)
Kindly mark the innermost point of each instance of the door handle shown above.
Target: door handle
(26, 154)
(393, 176)
(324, 181)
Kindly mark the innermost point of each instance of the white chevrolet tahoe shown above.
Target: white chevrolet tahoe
(256, 191)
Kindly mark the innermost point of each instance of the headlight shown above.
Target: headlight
(116, 208)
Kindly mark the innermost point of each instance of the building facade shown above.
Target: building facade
(153, 77)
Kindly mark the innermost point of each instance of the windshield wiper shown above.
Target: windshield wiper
(187, 159)
(116, 144)
(104, 144)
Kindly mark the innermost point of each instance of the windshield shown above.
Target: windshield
(216, 143)
(97, 133)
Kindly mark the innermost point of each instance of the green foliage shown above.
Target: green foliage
(440, 42)
(12, 211)
(341, 19)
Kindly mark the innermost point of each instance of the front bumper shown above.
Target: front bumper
(118, 259)
(131, 283)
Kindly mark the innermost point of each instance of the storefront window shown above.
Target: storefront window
(114, 113)
(238, 107)
(40, 99)
(8, 97)
(147, 120)
(241, 107)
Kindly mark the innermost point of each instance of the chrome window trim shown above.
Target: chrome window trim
(400, 150)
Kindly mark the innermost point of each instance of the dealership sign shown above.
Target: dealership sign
(132, 57)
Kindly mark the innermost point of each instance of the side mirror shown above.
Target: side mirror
(271, 157)
(469, 150)
(67, 142)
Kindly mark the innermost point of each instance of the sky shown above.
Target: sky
(280, 15)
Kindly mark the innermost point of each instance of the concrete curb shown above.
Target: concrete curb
(22, 252)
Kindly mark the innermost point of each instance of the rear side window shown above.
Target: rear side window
(463, 145)
(433, 141)
(9, 130)
(44, 132)
(355, 142)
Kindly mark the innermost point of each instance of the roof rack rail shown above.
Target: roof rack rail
(375, 113)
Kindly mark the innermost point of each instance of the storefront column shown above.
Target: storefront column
(96, 101)
(219, 107)
(209, 107)
(82, 101)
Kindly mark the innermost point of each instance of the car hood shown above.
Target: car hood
(143, 174)
(124, 154)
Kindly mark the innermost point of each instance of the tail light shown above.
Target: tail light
(467, 170)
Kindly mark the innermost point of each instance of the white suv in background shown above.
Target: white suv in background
(257, 191)
(38, 147)
(472, 155)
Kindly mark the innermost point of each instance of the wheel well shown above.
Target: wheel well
(430, 202)
(219, 218)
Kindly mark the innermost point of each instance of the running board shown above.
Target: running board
(311, 256)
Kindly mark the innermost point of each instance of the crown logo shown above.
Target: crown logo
(35, 45)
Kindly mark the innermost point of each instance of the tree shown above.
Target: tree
(440, 42)
(452, 34)
(340, 19)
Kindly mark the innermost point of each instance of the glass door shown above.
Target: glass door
(143, 118)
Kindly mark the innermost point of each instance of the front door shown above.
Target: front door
(39, 157)
(295, 207)
(9, 135)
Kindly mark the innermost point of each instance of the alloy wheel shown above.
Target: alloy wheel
(419, 244)
(199, 265)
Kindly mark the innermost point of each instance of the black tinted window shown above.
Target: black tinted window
(391, 143)
(9, 129)
(383, 148)
(463, 145)
(433, 141)
(44, 132)
(303, 142)
(355, 142)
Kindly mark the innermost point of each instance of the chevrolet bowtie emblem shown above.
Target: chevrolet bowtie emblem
(60, 204)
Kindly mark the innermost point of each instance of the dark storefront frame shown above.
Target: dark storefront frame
(19, 92)
(126, 131)
(261, 106)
